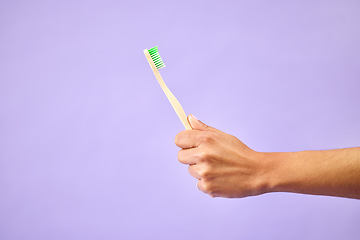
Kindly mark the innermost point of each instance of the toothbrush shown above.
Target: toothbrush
(155, 61)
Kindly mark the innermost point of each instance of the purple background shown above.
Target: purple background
(87, 136)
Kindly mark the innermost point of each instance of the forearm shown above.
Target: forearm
(327, 172)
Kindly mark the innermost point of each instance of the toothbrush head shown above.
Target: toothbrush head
(154, 54)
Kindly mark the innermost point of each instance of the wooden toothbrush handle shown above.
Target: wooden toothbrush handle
(174, 102)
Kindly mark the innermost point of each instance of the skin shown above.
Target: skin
(226, 167)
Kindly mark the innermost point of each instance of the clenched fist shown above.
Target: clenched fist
(226, 167)
(223, 165)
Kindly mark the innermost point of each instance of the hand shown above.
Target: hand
(223, 165)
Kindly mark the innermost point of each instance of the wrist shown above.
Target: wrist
(277, 171)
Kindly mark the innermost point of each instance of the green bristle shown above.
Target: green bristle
(154, 53)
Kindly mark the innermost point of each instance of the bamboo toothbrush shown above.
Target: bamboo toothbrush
(155, 61)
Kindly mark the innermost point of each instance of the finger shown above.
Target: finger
(188, 156)
(188, 138)
(193, 171)
(200, 186)
(199, 125)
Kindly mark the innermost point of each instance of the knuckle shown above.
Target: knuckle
(206, 171)
(204, 156)
(206, 137)
(207, 187)
(204, 174)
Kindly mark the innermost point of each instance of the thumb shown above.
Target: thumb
(198, 125)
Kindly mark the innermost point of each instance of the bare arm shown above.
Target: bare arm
(226, 167)
(328, 172)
